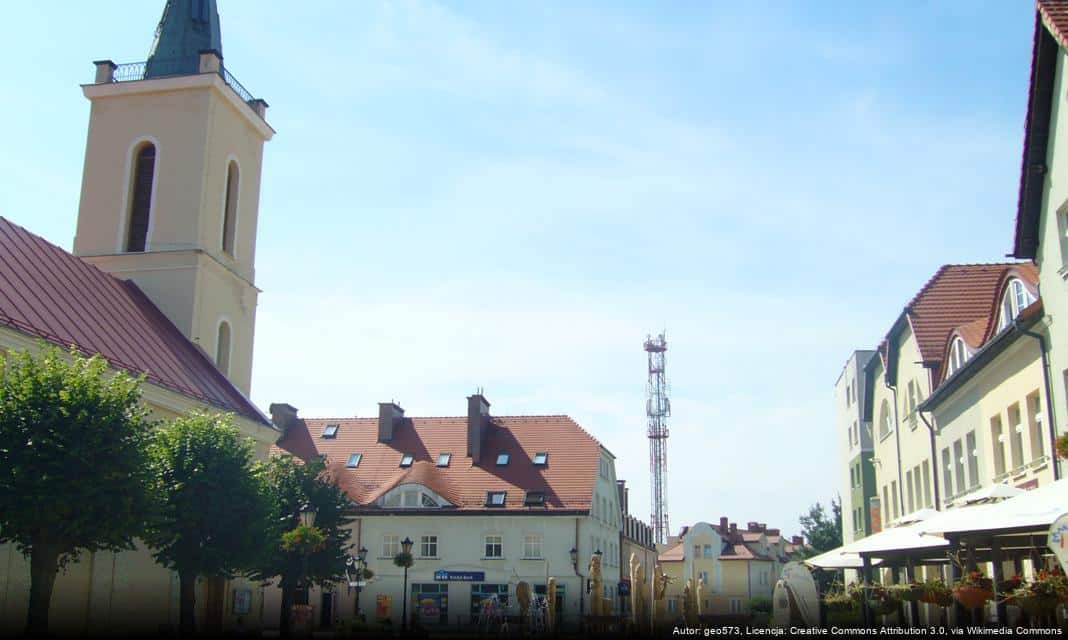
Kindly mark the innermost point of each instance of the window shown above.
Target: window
(910, 498)
(141, 199)
(436, 595)
(230, 209)
(894, 498)
(494, 547)
(541, 458)
(1034, 420)
(958, 465)
(411, 498)
(428, 547)
(406, 460)
(502, 459)
(913, 394)
(535, 499)
(947, 472)
(736, 605)
(428, 501)
(390, 546)
(532, 546)
(673, 605)
(997, 439)
(443, 459)
(958, 354)
(927, 484)
(495, 498)
(708, 551)
(1016, 299)
(1016, 436)
(973, 459)
(886, 504)
(354, 460)
(885, 427)
(330, 430)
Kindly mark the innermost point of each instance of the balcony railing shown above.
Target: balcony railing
(156, 68)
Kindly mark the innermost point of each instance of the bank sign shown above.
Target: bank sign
(459, 576)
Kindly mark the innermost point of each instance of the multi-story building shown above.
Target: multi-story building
(989, 406)
(488, 501)
(858, 472)
(1042, 213)
(735, 565)
(636, 538)
(160, 283)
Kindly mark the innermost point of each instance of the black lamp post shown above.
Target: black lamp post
(406, 551)
(360, 562)
(582, 585)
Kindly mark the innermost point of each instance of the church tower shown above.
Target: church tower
(170, 190)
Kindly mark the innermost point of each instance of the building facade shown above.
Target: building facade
(488, 502)
(858, 477)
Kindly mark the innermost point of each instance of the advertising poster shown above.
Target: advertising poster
(383, 606)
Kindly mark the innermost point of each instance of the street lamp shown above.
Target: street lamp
(406, 557)
(582, 585)
(307, 515)
(360, 562)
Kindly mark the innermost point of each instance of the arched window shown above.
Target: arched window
(230, 208)
(222, 348)
(958, 354)
(885, 426)
(144, 171)
(1016, 299)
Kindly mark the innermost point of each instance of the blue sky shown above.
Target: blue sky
(509, 196)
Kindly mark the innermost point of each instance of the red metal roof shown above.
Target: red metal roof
(567, 480)
(49, 293)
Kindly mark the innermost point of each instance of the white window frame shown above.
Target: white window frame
(354, 460)
(503, 458)
(444, 459)
(532, 546)
(493, 546)
(406, 460)
(496, 498)
(428, 546)
(390, 545)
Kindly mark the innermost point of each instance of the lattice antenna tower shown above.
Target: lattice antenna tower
(657, 410)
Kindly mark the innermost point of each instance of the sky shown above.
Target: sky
(510, 196)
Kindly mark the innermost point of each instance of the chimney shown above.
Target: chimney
(283, 415)
(797, 541)
(773, 532)
(734, 530)
(763, 527)
(477, 420)
(621, 489)
(723, 526)
(389, 416)
(752, 527)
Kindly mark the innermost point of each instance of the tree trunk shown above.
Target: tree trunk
(288, 588)
(44, 564)
(187, 602)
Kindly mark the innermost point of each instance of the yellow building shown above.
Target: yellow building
(161, 284)
(735, 565)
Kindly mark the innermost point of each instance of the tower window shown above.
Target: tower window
(230, 209)
(222, 348)
(141, 198)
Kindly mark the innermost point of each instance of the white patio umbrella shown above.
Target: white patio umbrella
(1035, 509)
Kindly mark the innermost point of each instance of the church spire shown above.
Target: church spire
(186, 28)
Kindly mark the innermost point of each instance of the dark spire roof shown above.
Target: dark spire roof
(186, 28)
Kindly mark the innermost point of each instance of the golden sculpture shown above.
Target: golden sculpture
(660, 583)
(522, 594)
(635, 604)
(596, 586)
(699, 598)
(642, 588)
(550, 594)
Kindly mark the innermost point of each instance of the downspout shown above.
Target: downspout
(582, 581)
(934, 462)
(1049, 396)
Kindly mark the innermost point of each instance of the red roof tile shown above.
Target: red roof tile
(49, 293)
(1055, 16)
(741, 552)
(567, 480)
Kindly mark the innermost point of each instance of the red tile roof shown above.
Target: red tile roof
(1055, 16)
(567, 480)
(741, 552)
(955, 295)
(673, 553)
(49, 293)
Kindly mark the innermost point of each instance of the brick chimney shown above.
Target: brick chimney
(389, 416)
(283, 415)
(773, 532)
(724, 526)
(477, 420)
(797, 541)
(734, 531)
(752, 527)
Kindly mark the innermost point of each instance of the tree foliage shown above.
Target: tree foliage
(73, 440)
(822, 532)
(291, 485)
(211, 510)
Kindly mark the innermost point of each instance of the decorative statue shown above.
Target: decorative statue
(596, 587)
(635, 595)
(699, 597)
(660, 583)
(687, 602)
(550, 594)
(522, 594)
(642, 587)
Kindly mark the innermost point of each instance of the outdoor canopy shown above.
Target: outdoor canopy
(1030, 511)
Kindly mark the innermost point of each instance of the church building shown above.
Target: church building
(161, 283)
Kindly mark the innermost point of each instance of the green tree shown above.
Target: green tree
(73, 440)
(297, 555)
(211, 508)
(822, 532)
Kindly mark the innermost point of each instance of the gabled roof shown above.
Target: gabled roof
(567, 480)
(48, 293)
(674, 553)
(1051, 27)
(956, 294)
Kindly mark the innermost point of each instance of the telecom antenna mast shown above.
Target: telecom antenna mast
(658, 408)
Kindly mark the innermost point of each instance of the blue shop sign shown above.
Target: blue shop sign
(624, 588)
(459, 576)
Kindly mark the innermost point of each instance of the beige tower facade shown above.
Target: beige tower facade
(170, 197)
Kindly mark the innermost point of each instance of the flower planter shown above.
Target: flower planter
(1038, 606)
(912, 594)
(972, 597)
(883, 606)
(938, 598)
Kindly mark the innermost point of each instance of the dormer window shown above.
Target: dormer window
(1016, 299)
(541, 459)
(443, 459)
(406, 460)
(958, 354)
(330, 430)
(354, 460)
(495, 498)
(502, 459)
(535, 499)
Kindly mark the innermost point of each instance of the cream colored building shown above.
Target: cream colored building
(169, 208)
(1042, 216)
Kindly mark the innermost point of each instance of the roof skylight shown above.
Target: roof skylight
(495, 498)
(330, 430)
(406, 460)
(443, 459)
(502, 459)
(535, 499)
(541, 458)
(354, 460)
